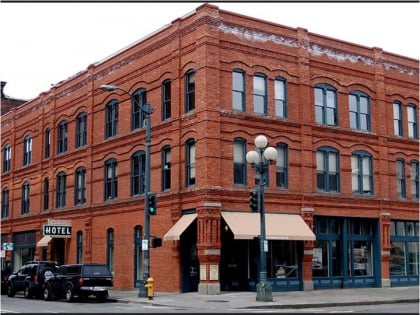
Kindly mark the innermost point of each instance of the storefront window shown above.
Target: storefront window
(397, 259)
(283, 260)
(360, 258)
(413, 258)
(326, 260)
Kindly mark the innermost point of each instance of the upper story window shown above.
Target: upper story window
(238, 90)
(398, 127)
(7, 158)
(166, 99)
(27, 151)
(401, 179)
(4, 203)
(280, 100)
(166, 168)
(326, 105)
(111, 119)
(414, 179)
(60, 193)
(359, 107)
(260, 93)
(362, 173)
(80, 186)
(239, 161)
(25, 198)
(412, 121)
(46, 194)
(327, 169)
(137, 113)
(189, 91)
(62, 137)
(81, 130)
(190, 163)
(47, 143)
(282, 165)
(111, 179)
(138, 172)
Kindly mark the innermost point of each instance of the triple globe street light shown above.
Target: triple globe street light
(147, 110)
(260, 159)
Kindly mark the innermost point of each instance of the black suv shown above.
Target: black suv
(79, 281)
(30, 278)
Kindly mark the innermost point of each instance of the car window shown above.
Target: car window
(100, 270)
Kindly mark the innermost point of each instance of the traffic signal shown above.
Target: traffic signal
(151, 203)
(253, 200)
(156, 242)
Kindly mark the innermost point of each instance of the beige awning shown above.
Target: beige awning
(44, 241)
(279, 226)
(179, 227)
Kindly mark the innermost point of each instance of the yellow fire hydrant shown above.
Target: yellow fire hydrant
(149, 287)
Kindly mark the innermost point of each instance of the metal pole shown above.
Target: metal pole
(146, 253)
(264, 291)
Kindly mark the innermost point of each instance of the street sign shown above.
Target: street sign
(7, 246)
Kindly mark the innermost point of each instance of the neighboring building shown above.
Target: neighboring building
(7, 103)
(342, 196)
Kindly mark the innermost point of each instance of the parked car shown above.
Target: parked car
(79, 281)
(30, 278)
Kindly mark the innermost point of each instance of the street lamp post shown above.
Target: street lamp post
(260, 159)
(147, 110)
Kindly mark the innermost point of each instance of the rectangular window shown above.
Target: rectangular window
(280, 97)
(398, 131)
(111, 179)
(80, 187)
(239, 162)
(260, 94)
(327, 170)
(137, 109)
(359, 111)
(238, 90)
(326, 105)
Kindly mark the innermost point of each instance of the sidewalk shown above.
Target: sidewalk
(284, 300)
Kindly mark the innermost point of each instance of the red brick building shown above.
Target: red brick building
(341, 198)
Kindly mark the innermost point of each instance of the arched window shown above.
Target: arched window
(238, 90)
(260, 93)
(401, 189)
(61, 190)
(327, 169)
(111, 119)
(7, 158)
(137, 113)
(189, 91)
(282, 165)
(166, 168)
(27, 151)
(359, 108)
(81, 130)
(326, 105)
(62, 137)
(138, 172)
(25, 198)
(190, 162)
(166, 99)
(280, 97)
(80, 186)
(5, 203)
(111, 179)
(362, 173)
(46, 194)
(110, 249)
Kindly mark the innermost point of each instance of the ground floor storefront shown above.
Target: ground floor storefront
(222, 253)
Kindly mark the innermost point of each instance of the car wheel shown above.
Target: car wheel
(69, 293)
(47, 294)
(10, 290)
(27, 293)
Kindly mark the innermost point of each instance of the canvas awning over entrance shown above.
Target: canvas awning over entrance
(279, 226)
(44, 241)
(179, 227)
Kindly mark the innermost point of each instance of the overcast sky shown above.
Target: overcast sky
(45, 43)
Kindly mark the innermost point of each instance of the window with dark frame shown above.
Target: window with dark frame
(27, 151)
(47, 143)
(327, 169)
(190, 163)
(398, 127)
(46, 194)
(111, 119)
(260, 93)
(137, 113)
(80, 186)
(326, 105)
(25, 198)
(238, 90)
(414, 179)
(282, 165)
(412, 121)
(62, 137)
(7, 158)
(359, 108)
(189, 91)
(5, 203)
(111, 179)
(61, 190)
(239, 162)
(362, 173)
(81, 130)
(138, 173)
(280, 97)
(166, 168)
(166, 99)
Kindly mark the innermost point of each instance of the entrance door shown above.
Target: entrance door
(189, 259)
